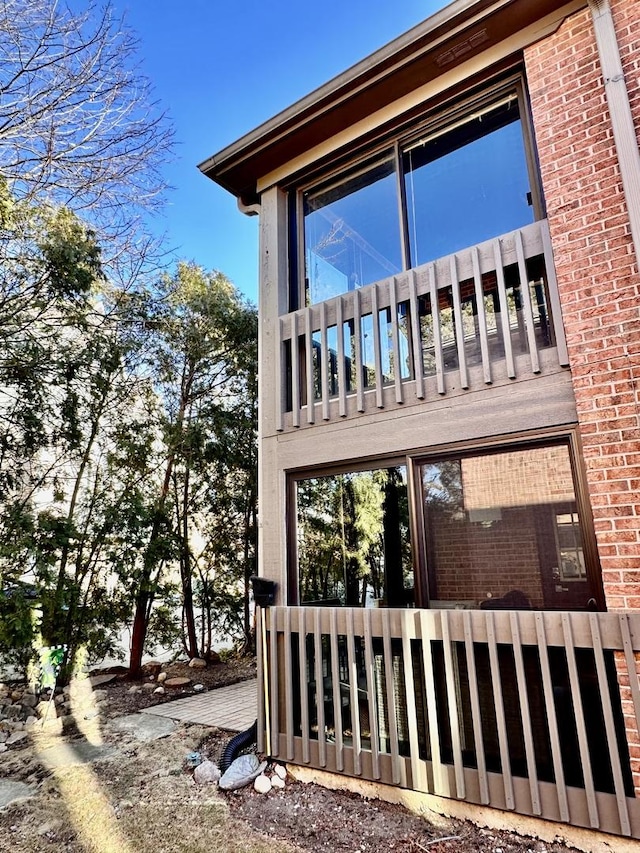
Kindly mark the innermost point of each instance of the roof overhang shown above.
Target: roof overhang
(430, 50)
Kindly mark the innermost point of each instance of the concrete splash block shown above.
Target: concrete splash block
(145, 727)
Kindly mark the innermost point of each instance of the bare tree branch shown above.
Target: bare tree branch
(79, 125)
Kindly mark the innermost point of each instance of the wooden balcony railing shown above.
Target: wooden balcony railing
(461, 322)
(518, 710)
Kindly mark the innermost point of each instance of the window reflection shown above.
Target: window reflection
(463, 185)
(467, 184)
(351, 230)
(353, 539)
(503, 530)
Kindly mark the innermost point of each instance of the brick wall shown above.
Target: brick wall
(599, 287)
(597, 275)
(538, 475)
(473, 562)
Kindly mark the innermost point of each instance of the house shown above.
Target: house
(449, 437)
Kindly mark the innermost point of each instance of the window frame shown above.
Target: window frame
(490, 446)
(430, 122)
(291, 514)
(412, 460)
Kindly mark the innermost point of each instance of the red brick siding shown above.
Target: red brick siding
(599, 287)
(597, 274)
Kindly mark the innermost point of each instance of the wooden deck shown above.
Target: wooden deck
(233, 707)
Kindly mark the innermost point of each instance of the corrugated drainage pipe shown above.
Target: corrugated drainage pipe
(237, 743)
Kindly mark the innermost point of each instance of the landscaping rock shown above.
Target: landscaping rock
(197, 663)
(11, 791)
(145, 727)
(207, 771)
(262, 784)
(162, 676)
(16, 738)
(160, 691)
(99, 696)
(277, 782)
(177, 683)
(152, 668)
(42, 708)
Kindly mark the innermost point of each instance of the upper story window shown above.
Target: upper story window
(467, 183)
(463, 179)
(352, 230)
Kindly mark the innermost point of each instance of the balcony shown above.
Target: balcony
(484, 315)
(517, 710)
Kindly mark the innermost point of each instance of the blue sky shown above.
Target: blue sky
(220, 69)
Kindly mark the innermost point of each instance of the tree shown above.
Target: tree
(203, 339)
(78, 124)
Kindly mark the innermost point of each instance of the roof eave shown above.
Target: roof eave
(238, 167)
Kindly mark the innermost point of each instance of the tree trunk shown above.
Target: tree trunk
(185, 573)
(145, 594)
(139, 632)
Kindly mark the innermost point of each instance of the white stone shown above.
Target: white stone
(148, 687)
(162, 677)
(262, 784)
(280, 770)
(207, 771)
(197, 663)
(160, 691)
(198, 688)
(277, 782)
(135, 688)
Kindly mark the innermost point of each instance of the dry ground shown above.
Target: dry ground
(142, 799)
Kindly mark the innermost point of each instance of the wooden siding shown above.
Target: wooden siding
(518, 710)
(401, 348)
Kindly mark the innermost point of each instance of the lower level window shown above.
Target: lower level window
(353, 539)
(503, 529)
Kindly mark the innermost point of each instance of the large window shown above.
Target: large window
(503, 529)
(467, 183)
(460, 181)
(353, 539)
(497, 527)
